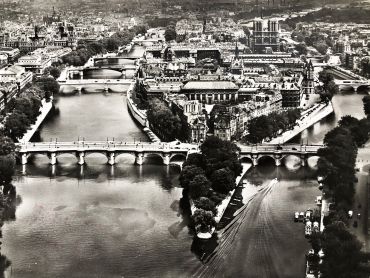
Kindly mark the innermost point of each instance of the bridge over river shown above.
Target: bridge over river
(167, 151)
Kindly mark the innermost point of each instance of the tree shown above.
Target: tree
(342, 251)
(195, 159)
(54, 72)
(188, 173)
(328, 87)
(205, 204)
(7, 146)
(16, 125)
(366, 101)
(223, 180)
(170, 34)
(203, 220)
(358, 129)
(301, 48)
(7, 168)
(49, 85)
(221, 154)
(199, 187)
(322, 48)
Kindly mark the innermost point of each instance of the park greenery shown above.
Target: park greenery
(22, 112)
(85, 50)
(165, 123)
(348, 14)
(327, 88)
(208, 177)
(269, 126)
(343, 256)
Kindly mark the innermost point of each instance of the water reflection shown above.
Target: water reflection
(9, 202)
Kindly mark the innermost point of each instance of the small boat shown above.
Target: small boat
(301, 217)
(308, 215)
(308, 229)
(319, 200)
(296, 216)
(316, 227)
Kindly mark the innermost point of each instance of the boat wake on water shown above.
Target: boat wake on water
(213, 265)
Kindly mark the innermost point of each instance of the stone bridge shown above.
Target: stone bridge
(103, 84)
(166, 151)
(355, 84)
(110, 149)
(278, 152)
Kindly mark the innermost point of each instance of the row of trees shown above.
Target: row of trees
(268, 126)
(343, 255)
(163, 121)
(207, 177)
(22, 112)
(327, 88)
(84, 51)
(8, 198)
(348, 14)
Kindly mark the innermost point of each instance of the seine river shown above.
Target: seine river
(126, 221)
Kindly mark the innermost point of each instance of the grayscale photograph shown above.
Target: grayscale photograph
(184, 139)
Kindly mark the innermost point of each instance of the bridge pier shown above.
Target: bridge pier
(255, 160)
(303, 160)
(81, 158)
(24, 158)
(277, 158)
(277, 161)
(166, 159)
(111, 158)
(53, 158)
(139, 158)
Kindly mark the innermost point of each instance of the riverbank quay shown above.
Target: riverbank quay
(140, 115)
(362, 198)
(309, 118)
(45, 108)
(221, 208)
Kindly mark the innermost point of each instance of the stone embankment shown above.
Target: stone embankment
(309, 118)
(140, 115)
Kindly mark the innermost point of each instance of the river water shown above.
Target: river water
(126, 221)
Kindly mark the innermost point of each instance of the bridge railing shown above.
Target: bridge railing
(103, 145)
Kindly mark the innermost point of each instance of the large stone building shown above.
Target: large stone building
(210, 92)
(191, 115)
(15, 75)
(266, 35)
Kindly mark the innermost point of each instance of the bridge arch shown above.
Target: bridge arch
(154, 157)
(93, 155)
(66, 157)
(126, 157)
(177, 156)
(363, 88)
(292, 161)
(312, 161)
(246, 159)
(266, 158)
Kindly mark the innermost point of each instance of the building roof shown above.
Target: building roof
(210, 85)
(12, 70)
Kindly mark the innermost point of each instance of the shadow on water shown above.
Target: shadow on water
(8, 207)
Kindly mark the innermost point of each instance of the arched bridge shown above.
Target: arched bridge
(109, 148)
(278, 152)
(355, 84)
(167, 151)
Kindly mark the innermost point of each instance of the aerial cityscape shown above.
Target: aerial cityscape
(167, 138)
